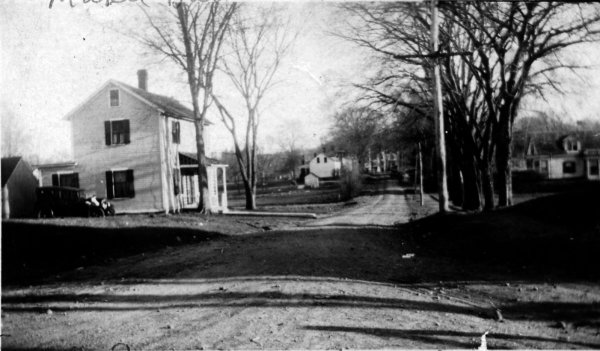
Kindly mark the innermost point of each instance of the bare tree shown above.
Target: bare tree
(258, 41)
(517, 48)
(507, 50)
(288, 142)
(192, 35)
(355, 130)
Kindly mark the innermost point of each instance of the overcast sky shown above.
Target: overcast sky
(53, 59)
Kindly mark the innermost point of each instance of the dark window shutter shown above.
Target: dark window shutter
(55, 180)
(126, 130)
(129, 178)
(109, 185)
(107, 136)
(175, 131)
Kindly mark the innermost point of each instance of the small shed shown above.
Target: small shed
(311, 180)
(18, 188)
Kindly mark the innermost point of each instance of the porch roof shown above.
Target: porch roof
(191, 159)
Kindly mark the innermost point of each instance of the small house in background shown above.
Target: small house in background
(382, 162)
(18, 188)
(575, 155)
(324, 167)
(311, 180)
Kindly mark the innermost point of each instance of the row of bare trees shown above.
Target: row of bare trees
(244, 43)
(492, 55)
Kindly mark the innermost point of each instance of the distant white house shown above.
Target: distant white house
(324, 167)
(381, 162)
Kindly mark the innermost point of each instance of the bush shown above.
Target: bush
(350, 183)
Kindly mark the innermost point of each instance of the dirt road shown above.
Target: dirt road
(385, 206)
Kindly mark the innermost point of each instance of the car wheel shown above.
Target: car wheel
(110, 211)
(97, 212)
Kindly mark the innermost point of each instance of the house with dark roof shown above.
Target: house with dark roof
(553, 156)
(134, 147)
(18, 188)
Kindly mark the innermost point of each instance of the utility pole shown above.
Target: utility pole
(438, 109)
(421, 176)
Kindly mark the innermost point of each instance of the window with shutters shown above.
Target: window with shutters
(114, 98)
(119, 184)
(569, 167)
(116, 132)
(175, 131)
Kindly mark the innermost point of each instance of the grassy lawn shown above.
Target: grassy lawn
(284, 196)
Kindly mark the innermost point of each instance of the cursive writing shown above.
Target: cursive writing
(106, 3)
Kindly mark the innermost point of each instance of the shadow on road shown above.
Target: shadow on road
(542, 240)
(437, 337)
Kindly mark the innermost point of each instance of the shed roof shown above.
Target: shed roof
(8, 166)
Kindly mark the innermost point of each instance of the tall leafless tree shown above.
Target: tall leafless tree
(192, 35)
(288, 140)
(515, 47)
(258, 40)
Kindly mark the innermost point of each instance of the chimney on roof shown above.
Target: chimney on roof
(142, 79)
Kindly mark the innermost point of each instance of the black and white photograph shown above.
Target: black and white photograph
(299, 175)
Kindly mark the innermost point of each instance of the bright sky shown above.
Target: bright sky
(53, 59)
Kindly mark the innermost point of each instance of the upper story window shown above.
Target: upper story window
(572, 145)
(318, 160)
(116, 132)
(114, 98)
(175, 131)
(324, 159)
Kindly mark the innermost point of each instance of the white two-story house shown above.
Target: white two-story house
(575, 155)
(133, 147)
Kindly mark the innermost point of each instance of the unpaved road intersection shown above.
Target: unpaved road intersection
(325, 287)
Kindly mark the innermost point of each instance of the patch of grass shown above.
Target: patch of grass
(291, 197)
(560, 231)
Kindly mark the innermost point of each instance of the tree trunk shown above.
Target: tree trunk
(203, 205)
(487, 185)
(421, 176)
(503, 155)
(472, 185)
(250, 192)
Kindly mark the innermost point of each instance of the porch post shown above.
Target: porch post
(224, 199)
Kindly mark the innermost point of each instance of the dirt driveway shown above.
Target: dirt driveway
(311, 288)
(386, 206)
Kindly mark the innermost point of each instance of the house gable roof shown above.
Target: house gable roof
(9, 164)
(166, 105)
